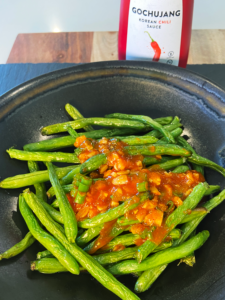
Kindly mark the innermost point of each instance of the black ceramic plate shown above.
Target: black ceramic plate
(98, 89)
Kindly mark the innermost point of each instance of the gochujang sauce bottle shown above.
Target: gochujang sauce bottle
(155, 30)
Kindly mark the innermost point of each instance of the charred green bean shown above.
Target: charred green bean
(24, 180)
(69, 218)
(75, 114)
(155, 149)
(44, 156)
(68, 141)
(26, 242)
(149, 122)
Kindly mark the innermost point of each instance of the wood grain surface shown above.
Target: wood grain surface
(207, 47)
(63, 47)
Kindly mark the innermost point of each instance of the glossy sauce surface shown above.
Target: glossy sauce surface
(121, 175)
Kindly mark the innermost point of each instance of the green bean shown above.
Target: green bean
(68, 178)
(43, 156)
(48, 241)
(86, 180)
(190, 259)
(181, 169)
(26, 242)
(52, 265)
(162, 120)
(138, 140)
(175, 234)
(33, 178)
(83, 188)
(72, 132)
(199, 160)
(149, 122)
(182, 142)
(55, 203)
(114, 213)
(161, 258)
(168, 164)
(174, 219)
(56, 215)
(74, 191)
(196, 213)
(190, 203)
(66, 188)
(130, 239)
(154, 149)
(175, 133)
(142, 186)
(56, 218)
(80, 193)
(147, 278)
(44, 254)
(93, 163)
(77, 179)
(86, 261)
(189, 227)
(169, 128)
(123, 221)
(75, 114)
(28, 239)
(113, 257)
(144, 250)
(176, 120)
(68, 141)
(187, 230)
(212, 189)
(80, 197)
(151, 160)
(78, 151)
(162, 246)
(39, 187)
(198, 168)
(88, 235)
(51, 144)
(47, 266)
(70, 222)
(99, 242)
(107, 122)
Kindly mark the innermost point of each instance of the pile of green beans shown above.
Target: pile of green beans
(72, 246)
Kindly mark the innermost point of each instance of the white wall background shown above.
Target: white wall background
(26, 16)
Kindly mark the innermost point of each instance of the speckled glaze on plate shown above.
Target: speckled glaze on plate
(97, 89)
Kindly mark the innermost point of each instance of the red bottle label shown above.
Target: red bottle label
(154, 30)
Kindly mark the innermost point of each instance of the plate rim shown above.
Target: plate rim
(202, 88)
